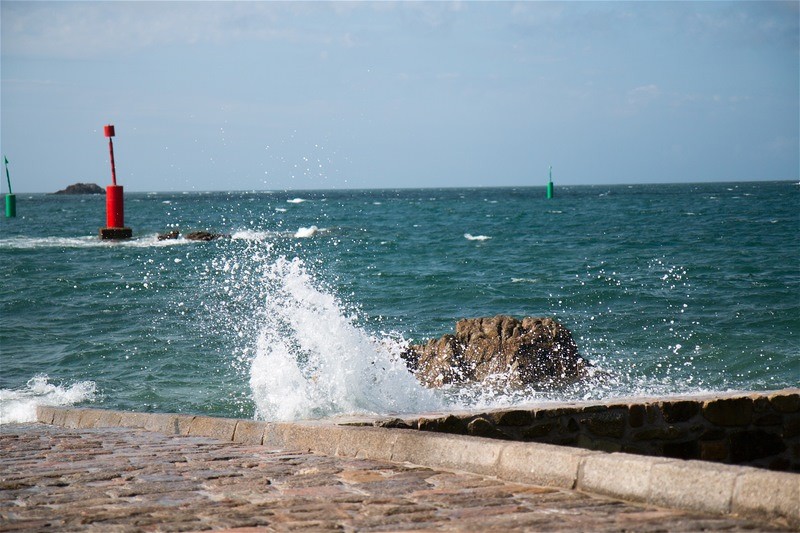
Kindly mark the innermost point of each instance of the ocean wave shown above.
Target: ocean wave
(471, 237)
(296, 200)
(20, 405)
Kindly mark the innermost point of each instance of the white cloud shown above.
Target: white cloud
(99, 29)
(643, 95)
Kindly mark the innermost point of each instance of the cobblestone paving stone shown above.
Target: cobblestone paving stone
(120, 479)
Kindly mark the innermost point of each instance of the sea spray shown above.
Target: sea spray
(312, 359)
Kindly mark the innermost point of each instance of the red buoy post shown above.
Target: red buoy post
(115, 208)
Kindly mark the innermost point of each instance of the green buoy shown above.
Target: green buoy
(550, 184)
(11, 199)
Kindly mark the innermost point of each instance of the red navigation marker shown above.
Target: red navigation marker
(115, 208)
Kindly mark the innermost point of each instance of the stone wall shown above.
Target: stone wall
(755, 429)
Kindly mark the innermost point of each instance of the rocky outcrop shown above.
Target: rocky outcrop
(519, 352)
(82, 188)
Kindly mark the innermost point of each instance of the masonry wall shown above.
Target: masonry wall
(756, 429)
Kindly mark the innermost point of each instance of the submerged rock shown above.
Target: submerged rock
(82, 188)
(174, 234)
(520, 352)
(193, 236)
(205, 236)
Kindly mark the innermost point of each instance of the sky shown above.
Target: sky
(333, 95)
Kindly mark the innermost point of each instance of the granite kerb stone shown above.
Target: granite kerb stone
(694, 485)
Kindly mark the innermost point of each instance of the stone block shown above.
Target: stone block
(763, 493)
(448, 424)
(541, 464)
(570, 424)
(729, 411)
(45, 414)
(791, 426)
(470, 454)
(366, 443)
(768, 419)
(681, 450)
(713, 450)
(133, 420)
(169, 424)
(515, 418)
(108, 419)
(72, 418)
(480, 427)
(537, 430)
(89, 417)
(660, 433)
(679, 411)
(749, 445)
(785, 402)
(605, 445)
(618, 474)
(694, 485)
(249, 432)
(60, 415)
(636, 415)
(215, 428)
(306, 437)
(607, 423)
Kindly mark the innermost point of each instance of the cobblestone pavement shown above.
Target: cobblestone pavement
(58, 479)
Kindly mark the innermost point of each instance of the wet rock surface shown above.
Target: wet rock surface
(520, 352)
(120, 479)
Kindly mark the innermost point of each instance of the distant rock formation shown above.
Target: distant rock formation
(193, 236)
(82, 188)
(520, 352)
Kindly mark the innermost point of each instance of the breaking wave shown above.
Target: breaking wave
(19, 405)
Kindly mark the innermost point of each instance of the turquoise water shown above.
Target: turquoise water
(666, 288)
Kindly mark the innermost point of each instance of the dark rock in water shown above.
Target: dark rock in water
(205, 236)
(520, 352)
(82, 188)
(174, 234)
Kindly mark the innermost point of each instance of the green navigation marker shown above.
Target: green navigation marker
(11, 199)
(550, 184)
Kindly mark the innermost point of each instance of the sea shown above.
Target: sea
(302, 313)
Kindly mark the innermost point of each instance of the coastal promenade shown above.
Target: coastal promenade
(88, 469)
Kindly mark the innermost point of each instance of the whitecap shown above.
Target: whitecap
(19, 405)
(280, 209)
(470, 237)
(253, 235)
(296, 200)
(302, 233)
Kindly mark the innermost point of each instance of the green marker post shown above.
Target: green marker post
(11, 199)
(550, 184)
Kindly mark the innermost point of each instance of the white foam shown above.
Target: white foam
(253, 235)
(312, 359)
(89, 241)
(470, 237)
(20, 405)
(281, 209)
(306, 232)
(296, 200)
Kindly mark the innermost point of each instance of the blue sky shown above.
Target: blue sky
(271, 95)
